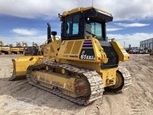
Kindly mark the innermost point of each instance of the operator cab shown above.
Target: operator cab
(82, 22)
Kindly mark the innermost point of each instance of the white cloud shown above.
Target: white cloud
(23, 31)
(29, 39)
(132, 24)
(133, 39)
(121, 10)
(113, 29)
(128, 10)
(35, 8)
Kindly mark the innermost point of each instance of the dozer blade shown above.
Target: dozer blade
(20, 66)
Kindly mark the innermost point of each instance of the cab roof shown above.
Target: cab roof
(90, 12)
(81, 9)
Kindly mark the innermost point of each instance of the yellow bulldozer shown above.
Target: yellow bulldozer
(16, 49)
(20, 46)
(4, 48)
(82, 64)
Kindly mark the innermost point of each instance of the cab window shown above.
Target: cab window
(72, 25)
(75, 29)
(94, 29)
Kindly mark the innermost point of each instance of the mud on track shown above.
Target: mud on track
(20, 98)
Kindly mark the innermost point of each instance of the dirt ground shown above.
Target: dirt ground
(20, 98)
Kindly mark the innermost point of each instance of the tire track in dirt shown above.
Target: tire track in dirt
(140, 97)
(94, 108)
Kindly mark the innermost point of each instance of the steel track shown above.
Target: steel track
(94, 79)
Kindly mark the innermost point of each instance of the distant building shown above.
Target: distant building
(147, 43)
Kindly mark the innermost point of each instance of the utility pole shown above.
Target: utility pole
(124, 44)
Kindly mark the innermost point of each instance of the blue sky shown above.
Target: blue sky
(25, 20)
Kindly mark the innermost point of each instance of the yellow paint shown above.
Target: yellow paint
(56, 80)
(21, 63)
(108, 74)
(5, 49)
(81, 9)
(122, 54)
(66, 52)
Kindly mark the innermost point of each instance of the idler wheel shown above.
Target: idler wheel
(82, 87)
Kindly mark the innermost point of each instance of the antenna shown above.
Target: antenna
(81, 5)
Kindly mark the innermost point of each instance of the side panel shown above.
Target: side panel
(70, 49)
(21, 49)
(79, 50)
(82, 53)
(87, 51)
(6, 49)
(15, 50)
(51, 50)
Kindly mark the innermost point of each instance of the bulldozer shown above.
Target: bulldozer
(13, 49)
(20, 46)
(18, 49)
(4, 48)
(82, 64)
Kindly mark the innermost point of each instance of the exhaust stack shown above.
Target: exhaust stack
(49, 33)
